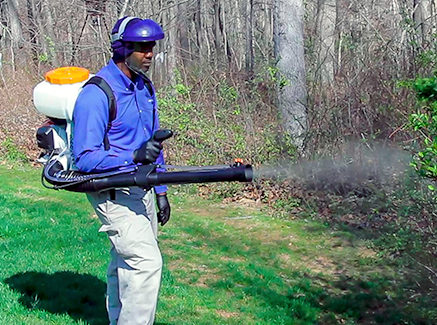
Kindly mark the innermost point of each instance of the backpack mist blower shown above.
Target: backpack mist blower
(55, 97)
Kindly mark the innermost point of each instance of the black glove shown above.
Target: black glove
(148, 152)
(164, 208)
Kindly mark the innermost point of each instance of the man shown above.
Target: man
(128, 215)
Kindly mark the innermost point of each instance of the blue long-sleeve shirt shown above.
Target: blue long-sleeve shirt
(136, 121)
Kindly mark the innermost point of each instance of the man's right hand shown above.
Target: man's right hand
(148, 152)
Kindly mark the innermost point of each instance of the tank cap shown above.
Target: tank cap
(67, 75)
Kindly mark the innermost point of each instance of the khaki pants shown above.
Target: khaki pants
(134, 272)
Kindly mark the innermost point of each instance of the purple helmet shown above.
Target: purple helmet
(132, 29)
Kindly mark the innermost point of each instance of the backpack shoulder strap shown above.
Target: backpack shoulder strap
(102, 84)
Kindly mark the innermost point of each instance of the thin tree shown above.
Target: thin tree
(289, 53)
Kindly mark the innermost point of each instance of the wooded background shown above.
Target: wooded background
(347, 56)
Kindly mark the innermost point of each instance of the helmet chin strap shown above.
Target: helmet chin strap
(139, 72)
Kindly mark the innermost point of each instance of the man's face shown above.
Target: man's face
(141, 58)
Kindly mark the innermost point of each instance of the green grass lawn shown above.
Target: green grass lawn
(224, 264)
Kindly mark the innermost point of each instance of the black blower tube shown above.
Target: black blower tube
(145, 177)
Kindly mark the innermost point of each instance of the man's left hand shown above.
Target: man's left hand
(163, 207)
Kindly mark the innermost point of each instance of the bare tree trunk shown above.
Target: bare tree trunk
(198, 28)
(12, 35)
(122, 7)
(326, 52)
(49, 37)
(31, 16)
(182, 26)
(171, 42)
(338, 38)
(268, 30)
(289, 52)
(249, 39)
(422, 18)
(216, 29)
(15, 30)
(223, 32)
(240, 45)
(208, 44)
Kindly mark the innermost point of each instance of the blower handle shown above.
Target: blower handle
(162, 134)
